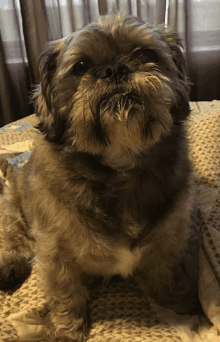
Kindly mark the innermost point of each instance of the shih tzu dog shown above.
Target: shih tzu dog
(108, 189)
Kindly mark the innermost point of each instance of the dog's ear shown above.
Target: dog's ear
(50, 123)
(181, 108)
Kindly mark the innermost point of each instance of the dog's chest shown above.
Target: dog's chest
(125, 261)
(116, 261)
(116, 222)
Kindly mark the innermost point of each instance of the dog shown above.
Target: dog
(108, 189)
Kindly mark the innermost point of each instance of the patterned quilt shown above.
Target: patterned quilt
(119, 311)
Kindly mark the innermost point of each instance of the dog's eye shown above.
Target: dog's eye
(81, 67)
(146, 56)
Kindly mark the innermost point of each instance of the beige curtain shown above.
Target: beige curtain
(26, 26)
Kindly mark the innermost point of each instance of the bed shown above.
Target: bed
(119, 311)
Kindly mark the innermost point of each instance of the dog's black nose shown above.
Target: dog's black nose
(116, 71)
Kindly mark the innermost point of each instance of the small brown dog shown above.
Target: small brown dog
(108, 188)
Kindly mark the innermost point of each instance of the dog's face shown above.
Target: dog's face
(116, 82)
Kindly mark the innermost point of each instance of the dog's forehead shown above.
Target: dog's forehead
(109, 38)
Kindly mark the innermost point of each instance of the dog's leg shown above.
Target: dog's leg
(63, 282)
(15, 258)
(156, 272)
(162, 275)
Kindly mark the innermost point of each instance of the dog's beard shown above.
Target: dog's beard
(132, 114)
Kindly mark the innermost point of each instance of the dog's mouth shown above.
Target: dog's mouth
(118, 102)
(119, 94)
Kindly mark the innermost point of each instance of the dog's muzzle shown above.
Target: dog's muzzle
(113, 72)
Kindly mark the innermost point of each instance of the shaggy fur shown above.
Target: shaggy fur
(108, 188)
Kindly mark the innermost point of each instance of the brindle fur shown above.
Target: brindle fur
(108, 189)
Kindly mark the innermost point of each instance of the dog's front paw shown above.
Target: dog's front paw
(67, 328)
(67, 336)
(74, 337)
